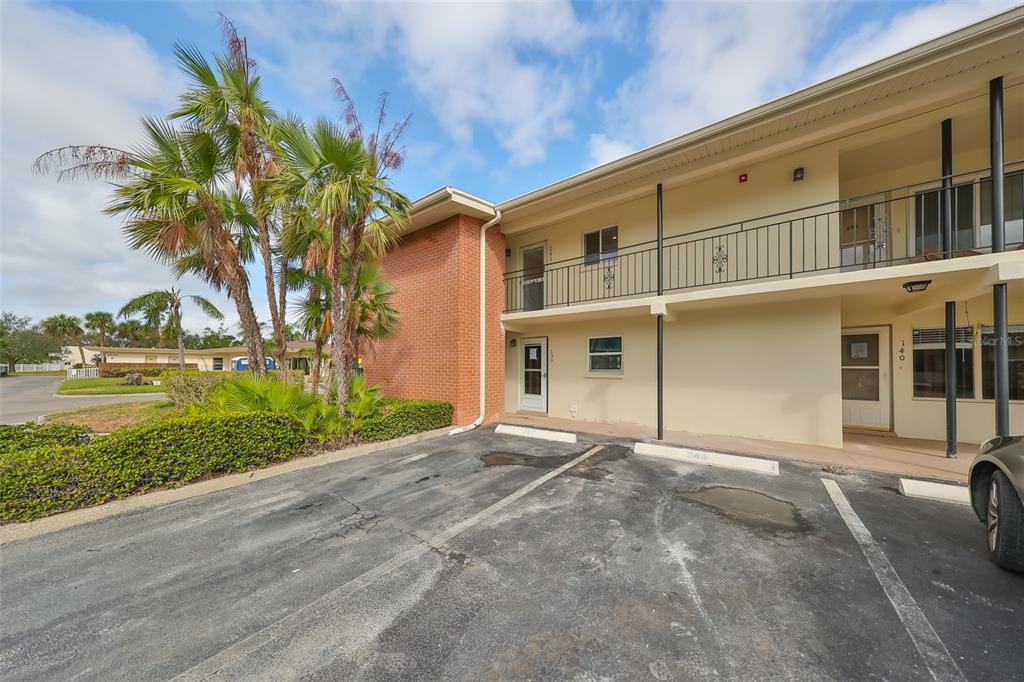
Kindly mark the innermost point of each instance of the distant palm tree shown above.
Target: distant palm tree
(165, 305)
(66, 329)
(133, 333)
(101, 324)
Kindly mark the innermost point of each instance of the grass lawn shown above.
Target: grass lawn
(103, 386)
(107, 418)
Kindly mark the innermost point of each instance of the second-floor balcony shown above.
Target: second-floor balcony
(893, 227)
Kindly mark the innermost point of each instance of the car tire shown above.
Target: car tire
(1004, 524)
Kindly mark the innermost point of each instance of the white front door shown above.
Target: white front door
(534, 384)
(866, 376)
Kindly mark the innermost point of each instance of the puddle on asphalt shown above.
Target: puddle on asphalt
(748, 507)
(588, 469)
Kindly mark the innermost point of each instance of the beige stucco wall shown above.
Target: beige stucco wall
(711, 202)
(169, 356)
(767, 372)
(761, 372)
(926, 417)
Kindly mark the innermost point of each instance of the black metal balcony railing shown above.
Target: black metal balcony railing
(839, 236)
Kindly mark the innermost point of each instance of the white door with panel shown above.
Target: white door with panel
(866, 376)
(534, 383)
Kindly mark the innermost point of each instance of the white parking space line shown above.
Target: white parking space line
(413, 458)
(336, 600)
(940, 664)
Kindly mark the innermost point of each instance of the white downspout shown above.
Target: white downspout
(483, 326)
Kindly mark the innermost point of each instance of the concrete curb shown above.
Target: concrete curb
(529, 432)
(76, 517)
(940, 492)
(715, 459)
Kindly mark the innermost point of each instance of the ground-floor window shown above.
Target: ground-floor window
(1015, 350)
(930, 363)
(218, 363)
(604, 355)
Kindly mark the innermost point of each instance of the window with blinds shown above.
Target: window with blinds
(930, 362)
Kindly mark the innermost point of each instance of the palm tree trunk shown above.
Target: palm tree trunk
(238, 290)
(339, 322)
(282, 300)
(81, 351)
(316, 364)
(181, 347)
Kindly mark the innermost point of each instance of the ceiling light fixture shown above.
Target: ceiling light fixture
(915, 286)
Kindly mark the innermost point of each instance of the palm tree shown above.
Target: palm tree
(65, 329)
(226, 98)
(332, 173)
(171, 195)
(165, 304)
(101, 324)
(375, 317)
(133, 333)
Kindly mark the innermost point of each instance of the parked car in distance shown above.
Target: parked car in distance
(996, 482)
(241, 362)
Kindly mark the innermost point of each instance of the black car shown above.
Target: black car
(997, 488)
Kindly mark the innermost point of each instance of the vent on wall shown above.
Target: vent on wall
(937, 337)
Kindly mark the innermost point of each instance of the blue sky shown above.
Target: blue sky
(504, 97)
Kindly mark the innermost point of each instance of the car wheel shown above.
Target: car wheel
(1004, 524)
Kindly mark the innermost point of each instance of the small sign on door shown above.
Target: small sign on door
(534, 353)
(858, 350)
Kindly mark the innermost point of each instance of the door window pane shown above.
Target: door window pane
(533, 263)
(928, 220)
(532, 357)
(860, 384)
(600, 244)
(860, 350)
(1015, 352)
(532, 382)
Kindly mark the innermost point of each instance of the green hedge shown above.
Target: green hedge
(397, 418)
(53, 478)
(192, 386)
(24, 436)
(151, 369)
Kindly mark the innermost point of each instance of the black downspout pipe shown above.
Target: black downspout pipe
(999, 304)
(947, 251)
(661, 320)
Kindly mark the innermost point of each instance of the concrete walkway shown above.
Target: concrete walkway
(883, 453)
(23, 398)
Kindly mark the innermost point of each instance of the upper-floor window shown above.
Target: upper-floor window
(600, 244)
(972, 216)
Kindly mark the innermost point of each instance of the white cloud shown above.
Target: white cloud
(709, 61)
(878, 39)
(508, 70)
(68, 79)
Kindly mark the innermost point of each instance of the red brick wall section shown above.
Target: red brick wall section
(435, 354)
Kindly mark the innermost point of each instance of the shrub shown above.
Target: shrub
(146, 369)
(52, 478)
(23, 436)
(363, 402)
(257, 394)
(397, 418)
(192, 386)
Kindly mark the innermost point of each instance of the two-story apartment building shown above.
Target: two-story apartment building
(801, 269)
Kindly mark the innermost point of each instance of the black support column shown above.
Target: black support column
(1002, 364)
(661, 319)
(947, 250)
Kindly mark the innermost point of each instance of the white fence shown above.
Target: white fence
(84, 373)
(38, 367)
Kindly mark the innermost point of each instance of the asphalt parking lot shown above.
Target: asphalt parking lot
(486, 556)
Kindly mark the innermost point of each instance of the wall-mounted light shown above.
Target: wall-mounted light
(743, 177)
(512, 343)
(916, 286)
(798, 174)
(508, 252)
